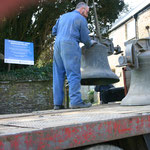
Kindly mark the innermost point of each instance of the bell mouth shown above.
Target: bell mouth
(98, 81)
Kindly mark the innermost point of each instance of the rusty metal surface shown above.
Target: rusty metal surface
(72, 128)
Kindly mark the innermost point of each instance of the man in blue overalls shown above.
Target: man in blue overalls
(70, 29)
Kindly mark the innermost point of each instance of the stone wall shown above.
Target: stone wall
(27, 96)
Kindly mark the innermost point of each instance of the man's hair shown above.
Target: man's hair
(81, 4)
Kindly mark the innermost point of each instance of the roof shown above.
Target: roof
(129, 15)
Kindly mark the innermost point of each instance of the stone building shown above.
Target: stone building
(134, 25)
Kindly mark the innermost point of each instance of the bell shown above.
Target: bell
(139, 90)
(95, 69)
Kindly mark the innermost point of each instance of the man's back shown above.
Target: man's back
(69, 26)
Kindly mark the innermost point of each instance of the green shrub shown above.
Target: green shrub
(91, 96)
(29, 73)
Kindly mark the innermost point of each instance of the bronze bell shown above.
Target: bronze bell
(139, 90)
(95, 69)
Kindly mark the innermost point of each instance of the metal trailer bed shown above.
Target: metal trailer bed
(65, 129)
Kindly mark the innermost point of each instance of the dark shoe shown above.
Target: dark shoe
(57, 107)
(82, 105)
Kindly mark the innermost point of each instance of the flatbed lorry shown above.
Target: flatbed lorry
(77, 128)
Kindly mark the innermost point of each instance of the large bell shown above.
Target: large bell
(95, 69)
(139, 91)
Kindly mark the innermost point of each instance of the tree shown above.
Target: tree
(35, 23)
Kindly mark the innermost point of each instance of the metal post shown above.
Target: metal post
(97, 23)
(87, 1)
(66, 87)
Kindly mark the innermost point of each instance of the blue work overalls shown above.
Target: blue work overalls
(70, 29)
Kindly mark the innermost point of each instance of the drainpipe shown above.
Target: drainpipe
(136, 27)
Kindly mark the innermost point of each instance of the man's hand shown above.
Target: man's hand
(93, 42)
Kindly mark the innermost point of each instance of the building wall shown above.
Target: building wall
(118, 39)
(143, 21)
(119, 36)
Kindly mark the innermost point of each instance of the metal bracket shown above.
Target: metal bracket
(131, 57)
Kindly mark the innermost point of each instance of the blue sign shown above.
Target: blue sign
(18, 52)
